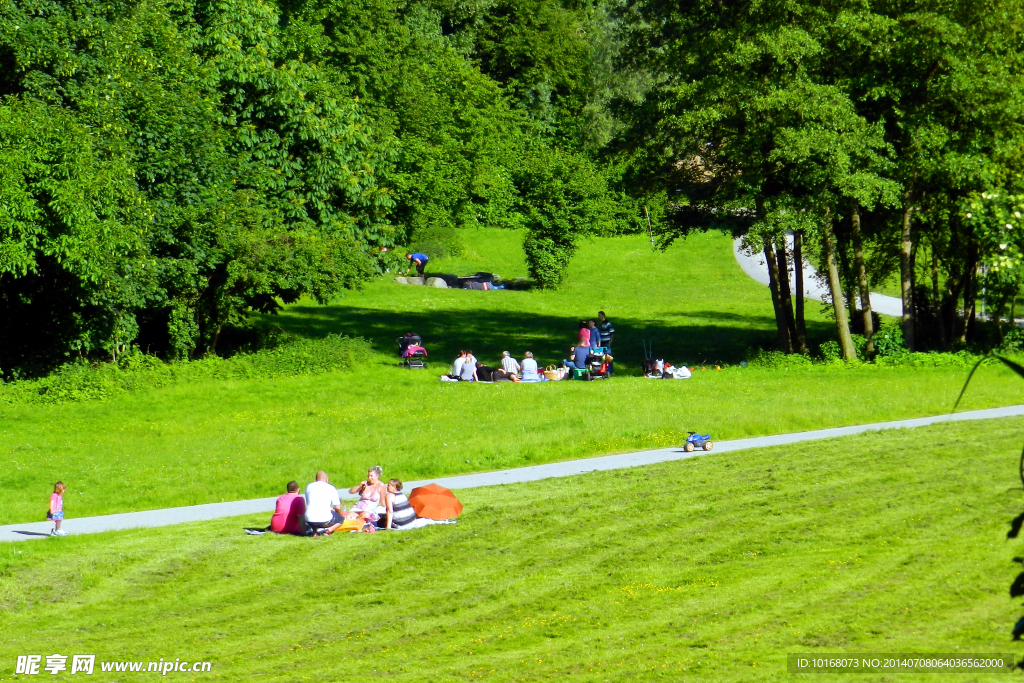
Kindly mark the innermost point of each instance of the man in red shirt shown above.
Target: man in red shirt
(288, 514)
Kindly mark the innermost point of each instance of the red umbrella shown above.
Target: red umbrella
(434, 502)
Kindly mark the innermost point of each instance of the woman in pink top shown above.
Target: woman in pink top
(288, 514)
(371, 494)
(584, 337)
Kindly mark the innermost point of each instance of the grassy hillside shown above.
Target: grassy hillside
(231, 439)
(717, 566)
(692, 302)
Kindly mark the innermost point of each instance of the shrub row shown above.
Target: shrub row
(83, 381)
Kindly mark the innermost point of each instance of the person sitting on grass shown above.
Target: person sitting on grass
(468, 373)
(579, 357)
(529, 366)
(323, 506)
(399, 511)
(419, 261)
(401, 515)
(509, 364)
(372, 494)
(456, 372)
(288, 511)
(56, 510)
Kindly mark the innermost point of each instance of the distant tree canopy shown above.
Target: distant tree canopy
(169, 166)
(886, 135)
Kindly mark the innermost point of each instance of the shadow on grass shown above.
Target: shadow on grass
(728, 339)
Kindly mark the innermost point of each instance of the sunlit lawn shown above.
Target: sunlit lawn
(714, 567)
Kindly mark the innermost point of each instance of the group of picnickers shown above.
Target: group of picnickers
(590, 357)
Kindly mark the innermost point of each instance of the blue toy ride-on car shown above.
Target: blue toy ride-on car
(695, 441)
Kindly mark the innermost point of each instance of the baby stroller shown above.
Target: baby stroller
(411, 349)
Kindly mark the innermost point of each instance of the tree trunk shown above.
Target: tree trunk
(785, 296)
(969, 297)
(846, 277)
(216, 337)
(1013, 309)
(798, 294)
(773, 283)
(940, 309)
(907, 273)
(862, 282)
(836, 288)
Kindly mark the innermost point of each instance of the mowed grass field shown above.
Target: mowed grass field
(707, 569)
(231, 440)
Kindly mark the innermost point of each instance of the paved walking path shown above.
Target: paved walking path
(198, 513)
(814, 285)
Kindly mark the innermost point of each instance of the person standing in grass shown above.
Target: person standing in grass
(583, 338)
(595, 334)
(288, 512)
(420, 261)
(604, 325)
(607, 332)
(56, 511)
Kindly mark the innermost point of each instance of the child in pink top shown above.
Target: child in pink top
(56, 511)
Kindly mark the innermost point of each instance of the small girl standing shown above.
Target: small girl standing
(56, 511)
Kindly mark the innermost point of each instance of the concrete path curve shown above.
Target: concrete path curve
(753, 264)
(198, 513)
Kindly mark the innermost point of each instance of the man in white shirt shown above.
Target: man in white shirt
(509, 364)
(323, 506)
(457, 365)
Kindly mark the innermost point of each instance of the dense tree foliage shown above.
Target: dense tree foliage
(169, 166)
(868, 128)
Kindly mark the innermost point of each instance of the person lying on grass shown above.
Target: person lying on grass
(288, 511)
(372, 495)
(323, 506)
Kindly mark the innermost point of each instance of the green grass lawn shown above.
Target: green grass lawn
(714, 567)
(691, 302)
(229, 440)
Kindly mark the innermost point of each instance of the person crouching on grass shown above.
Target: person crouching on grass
(56, 511)
(419, 261)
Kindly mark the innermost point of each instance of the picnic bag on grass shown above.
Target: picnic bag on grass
(351, 525)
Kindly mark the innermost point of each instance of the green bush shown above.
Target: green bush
(83, 381)
(437, 242)
(830, 351)
(889, 341)
(779, 360)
